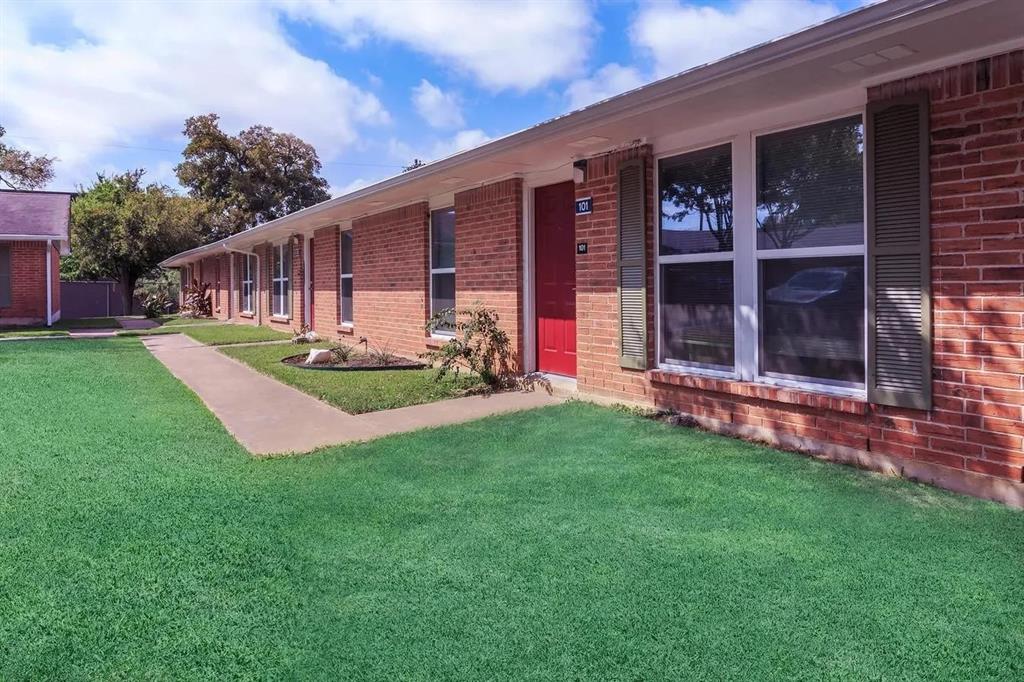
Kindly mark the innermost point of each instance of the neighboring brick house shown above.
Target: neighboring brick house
(33, 236)
(816, 243)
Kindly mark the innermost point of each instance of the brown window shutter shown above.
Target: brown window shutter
(632, 267)
(899, 254)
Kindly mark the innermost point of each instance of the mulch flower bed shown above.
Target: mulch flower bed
(356, 362)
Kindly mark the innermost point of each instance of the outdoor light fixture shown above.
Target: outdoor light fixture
(579, 171)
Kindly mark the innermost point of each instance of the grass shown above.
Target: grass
(60, 327)
(138, 541)
(174, 320)
(30, 333)
(357, 391)
(219, 334)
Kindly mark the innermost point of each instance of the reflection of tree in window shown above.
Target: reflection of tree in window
(696, 195)
(810, 186)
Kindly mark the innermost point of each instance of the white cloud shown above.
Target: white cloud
(404, 153)
(134, 71)
(518, 44)
(680, 36)
(438, 108)
(610, 79)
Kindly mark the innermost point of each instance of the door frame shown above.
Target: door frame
(530, 347)
(529, 289)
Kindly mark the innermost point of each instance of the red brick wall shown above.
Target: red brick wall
(214, 271)
(325, 285)
(390, 278)
(597, 301)
(977, 119)
(28, 283)
(489, 253)
(977, 214)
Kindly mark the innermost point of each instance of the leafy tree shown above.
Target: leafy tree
(253, 177)
(20, 169)
(121, 229)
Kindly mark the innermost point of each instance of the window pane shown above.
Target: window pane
(346, 253)
(346, 299)
(443, 296)
(810, 186)
(697, 313)
(812, 317)
(696, 201)
(442, 238)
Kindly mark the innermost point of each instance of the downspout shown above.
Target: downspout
(49, 284)
(256, 280)
(306, 303)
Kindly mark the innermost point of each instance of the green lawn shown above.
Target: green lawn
(14, 333)
(220, 334)
(60, 327)
(354, 392)
(174, 320)
(139, 541)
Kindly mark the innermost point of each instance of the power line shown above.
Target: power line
(178, 151)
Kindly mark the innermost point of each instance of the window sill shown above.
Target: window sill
(772, 393)
(280, 318)
(247, 315)
(346, 329)
(438, 340)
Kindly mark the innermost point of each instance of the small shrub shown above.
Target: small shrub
(383, 354)
(342, 353)
(197, 300)
(157, 304)
(304, 335)
(479, 345)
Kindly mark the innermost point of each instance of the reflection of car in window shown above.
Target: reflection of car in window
(814, 285)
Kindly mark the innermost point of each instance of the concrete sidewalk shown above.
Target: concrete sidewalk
(269, 417)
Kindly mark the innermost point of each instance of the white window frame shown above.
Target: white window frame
(440, 333)
(279, 276)
(341, 279)
(711, 257)
(248, 306)
(746, 258)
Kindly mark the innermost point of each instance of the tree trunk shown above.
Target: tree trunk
(127, 283)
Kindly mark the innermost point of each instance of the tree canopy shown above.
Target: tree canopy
(122, 229)
(20, 169)
(251, 178)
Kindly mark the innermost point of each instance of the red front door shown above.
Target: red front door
(312, 287)
(554, 227)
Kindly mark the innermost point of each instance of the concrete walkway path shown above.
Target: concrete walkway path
(269, 417)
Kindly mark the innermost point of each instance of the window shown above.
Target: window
(695, 259)
(281, 304)
(5, 275)
(766, 282)
(248, 298)
(346, 277)
(810, 241)
(442, 265)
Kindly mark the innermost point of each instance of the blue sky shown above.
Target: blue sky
(106, 86)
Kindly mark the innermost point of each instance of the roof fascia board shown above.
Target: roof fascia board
(752, 63)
